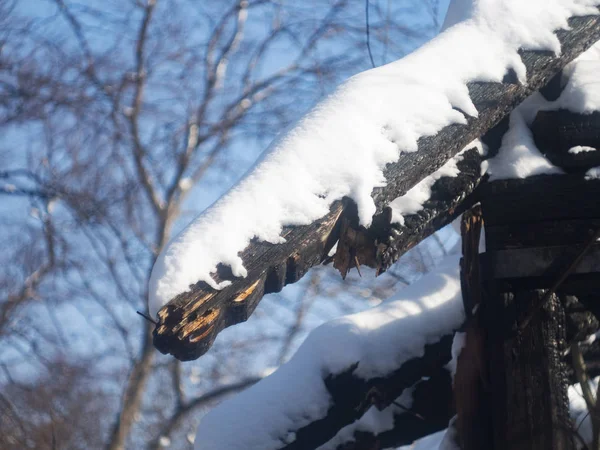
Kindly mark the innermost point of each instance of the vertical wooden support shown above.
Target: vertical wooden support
(529, 389)
(537, 238)
(471, 388)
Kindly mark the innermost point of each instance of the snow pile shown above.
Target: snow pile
(412, 202)
(380, 339)
(581, 149)
(582, 92)
(373, 421)
(518, 156)
(450, 438)
(593, 174)
(458, 343)
(342, 145)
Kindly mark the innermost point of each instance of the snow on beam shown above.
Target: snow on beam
(431, 408)
(343, 385)
(189, 322)
(270, 267)
(352, 396)
(351, 365)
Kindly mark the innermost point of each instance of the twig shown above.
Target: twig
(357, 264)
(368, 33)
(148, 318)
(582, 377)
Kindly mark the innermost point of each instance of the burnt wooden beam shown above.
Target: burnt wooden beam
(539, 198)
(540, 234)
(471, 380)
(431, 410)
(535, 223)
(529, 404)
(189, 323)
(433, 407)
(555, 132)
(526, 368)
(450, 197)
(493, 101)
(351, 396)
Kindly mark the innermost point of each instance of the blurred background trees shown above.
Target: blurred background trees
(120, 120)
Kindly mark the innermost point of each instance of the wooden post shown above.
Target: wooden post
(471, 385)
(527, 376)
(541, 245)
(538, 244)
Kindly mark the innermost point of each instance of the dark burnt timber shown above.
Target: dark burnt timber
(432, 408)
(539, 271)
(527, 376)
(471, 380)
(559, 131)
(188, 325)
(187, 331)
(510, 383)
(550, 198)
(352, 396)
(432, 400)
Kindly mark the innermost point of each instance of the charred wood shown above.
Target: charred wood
(188, 325)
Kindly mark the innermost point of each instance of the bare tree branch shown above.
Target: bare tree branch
(133, 115)
(181, 411)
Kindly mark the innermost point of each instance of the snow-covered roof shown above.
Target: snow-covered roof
(341, 147)
(268, 415)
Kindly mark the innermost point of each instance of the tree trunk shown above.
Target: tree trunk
(132, 399)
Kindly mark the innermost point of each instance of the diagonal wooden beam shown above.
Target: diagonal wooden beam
(189, 323)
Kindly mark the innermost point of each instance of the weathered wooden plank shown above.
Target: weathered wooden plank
(538, 234)
(432, 408)
(188, 325)
(528, 377)
(555, 132)
(539, 261)
(540, 198)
